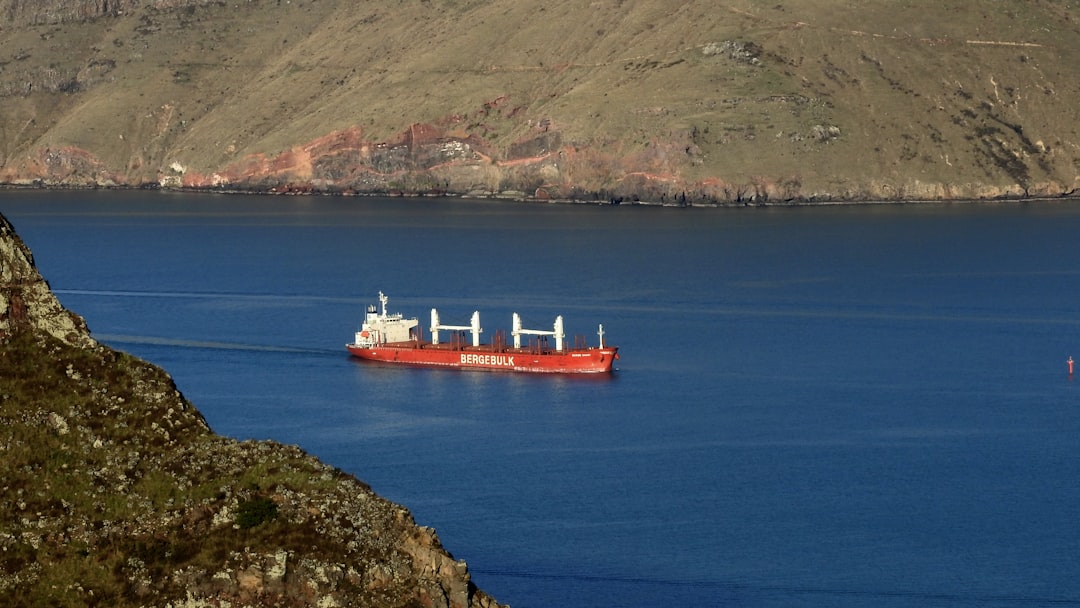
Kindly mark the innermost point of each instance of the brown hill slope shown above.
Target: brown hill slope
(699, 100)
(115, 492)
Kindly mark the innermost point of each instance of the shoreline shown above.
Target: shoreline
(521, 197)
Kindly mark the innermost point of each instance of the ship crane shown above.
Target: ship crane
(557, 332)
(474, 327)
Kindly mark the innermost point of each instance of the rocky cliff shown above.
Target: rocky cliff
(610, 100)
(116, 493)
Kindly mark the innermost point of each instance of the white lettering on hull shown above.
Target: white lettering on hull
(489, 360)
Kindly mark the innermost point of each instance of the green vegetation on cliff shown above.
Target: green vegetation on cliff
(115, 492)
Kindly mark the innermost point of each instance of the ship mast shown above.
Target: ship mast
(383, 300)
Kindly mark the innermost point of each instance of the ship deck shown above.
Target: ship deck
(533, 349)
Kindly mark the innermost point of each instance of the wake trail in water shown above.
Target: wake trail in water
(117, 339)
(208, 295)
(612, 306)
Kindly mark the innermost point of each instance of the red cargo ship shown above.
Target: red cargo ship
(392, 338)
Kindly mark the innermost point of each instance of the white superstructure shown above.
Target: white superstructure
(383, 328)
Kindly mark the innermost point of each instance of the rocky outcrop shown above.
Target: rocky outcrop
(40, 12)
(117, 493)
(26, 302)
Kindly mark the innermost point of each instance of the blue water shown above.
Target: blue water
(864, 406)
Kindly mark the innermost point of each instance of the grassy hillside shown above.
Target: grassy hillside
(815, 99)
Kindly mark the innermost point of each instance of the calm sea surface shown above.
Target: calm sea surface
(861, 406)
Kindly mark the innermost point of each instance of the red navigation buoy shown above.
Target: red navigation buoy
(1070, 362)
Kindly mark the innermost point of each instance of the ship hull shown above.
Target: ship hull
(573, 361)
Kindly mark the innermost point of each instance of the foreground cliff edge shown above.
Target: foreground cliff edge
(115, 492)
